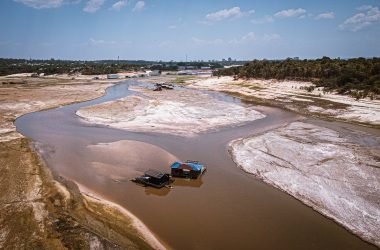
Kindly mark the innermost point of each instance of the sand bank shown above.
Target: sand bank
(126, 159)
(317, 166)
(143, 230)
(178, 112)
(294, 96)
(40, 94)
(38, 212)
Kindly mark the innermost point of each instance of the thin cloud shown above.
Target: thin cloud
(359, 21)
(364, 7)
(249, 37)
(45, 4)
(100, 42)
(290, 13)
(93, 6)
(119, 5)
(271, 37)
(201, 42)
(327, 15)
(234, 12)
(139, 6)
(266, 19)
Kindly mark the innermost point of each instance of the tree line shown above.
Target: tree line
(359, 77)
(49, 67)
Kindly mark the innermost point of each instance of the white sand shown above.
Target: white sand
(314, 164)
(183, 113)
(364, 110)
(15, 102)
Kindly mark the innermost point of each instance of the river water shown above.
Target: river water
(225, 209)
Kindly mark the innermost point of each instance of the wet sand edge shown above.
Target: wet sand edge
(324, 212)
(54, 183)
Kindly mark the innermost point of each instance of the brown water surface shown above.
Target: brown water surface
(225, 209)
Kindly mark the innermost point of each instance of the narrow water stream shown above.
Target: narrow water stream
(225, 209)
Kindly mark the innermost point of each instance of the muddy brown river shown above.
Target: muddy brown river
(225, 209)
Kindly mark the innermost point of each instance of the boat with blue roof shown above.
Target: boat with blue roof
(187, 169)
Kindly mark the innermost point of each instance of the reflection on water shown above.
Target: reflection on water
(185, 182)
(157, 191)
(178, 182)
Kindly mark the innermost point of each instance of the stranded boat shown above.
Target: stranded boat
(161, 86)
(188, 169)
(153, 178)
(157, 179)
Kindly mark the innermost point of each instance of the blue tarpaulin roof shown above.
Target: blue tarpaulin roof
(194, 166)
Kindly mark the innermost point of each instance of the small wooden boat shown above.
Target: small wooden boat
(153, 178)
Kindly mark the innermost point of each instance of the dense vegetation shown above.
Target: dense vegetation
(359, 77)
(49, 67)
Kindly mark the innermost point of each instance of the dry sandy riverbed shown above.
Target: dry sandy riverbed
(293, 96)
(39, 94)
(178, 112)
(37, 212)
(317, 166)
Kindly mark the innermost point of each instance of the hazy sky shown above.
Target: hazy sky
(202, 30)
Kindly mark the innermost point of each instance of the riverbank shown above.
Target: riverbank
(39, 94)
(328, 172)
(36, 210)
(316, 168)
(300, 97)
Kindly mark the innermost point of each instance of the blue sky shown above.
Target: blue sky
(202, 30)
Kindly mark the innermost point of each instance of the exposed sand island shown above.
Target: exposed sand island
(336, 177)
(122, 159)
(179, 112)
(294, 96)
